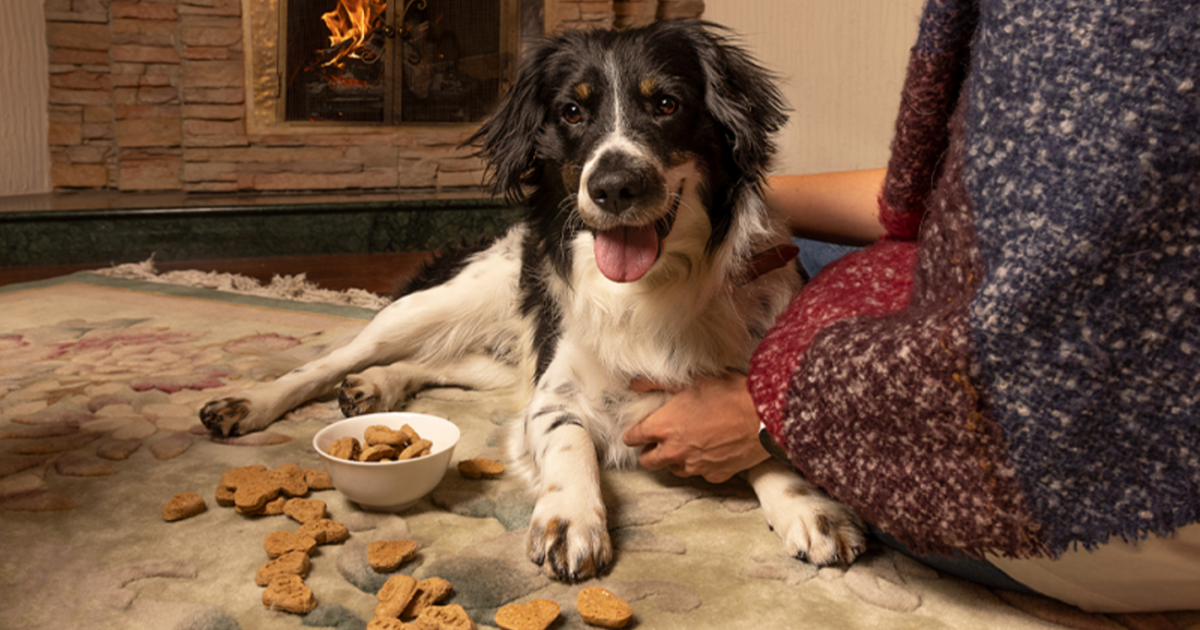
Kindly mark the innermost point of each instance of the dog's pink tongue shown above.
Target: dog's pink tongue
(625, 254)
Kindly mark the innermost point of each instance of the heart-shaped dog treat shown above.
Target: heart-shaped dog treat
(536, 615)
(386, 556)
(599, 607)
(289, 593)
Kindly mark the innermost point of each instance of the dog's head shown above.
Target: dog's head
(611, 131)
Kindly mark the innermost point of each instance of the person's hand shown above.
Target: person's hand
(709, 429)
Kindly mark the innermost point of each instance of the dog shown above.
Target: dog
(640, 155)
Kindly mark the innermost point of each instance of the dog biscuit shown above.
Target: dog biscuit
(599, 607)
(452, 617)
(346, 448)
(224, 496)
(273, 508)
(536, 615)
(317, 480)
(394, 596)
(279, 543)
(480, 468)
(304, 510)
(291, 563)
(419, 448)
(429, 592)
(183, 505)
(234, 477)
(325, 531)
(251, 496)
(290, 478)
(289, 593)
(386, 556)
(378, 453)
(380, 434)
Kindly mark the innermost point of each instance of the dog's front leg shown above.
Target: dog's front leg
(255, 408)
(813, 526)
(568, 533)
(430, 326)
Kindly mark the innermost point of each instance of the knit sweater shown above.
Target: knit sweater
(1015, 369)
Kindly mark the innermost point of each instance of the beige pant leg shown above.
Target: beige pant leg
(1155, 574)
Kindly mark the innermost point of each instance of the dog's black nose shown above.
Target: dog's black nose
(614, 187)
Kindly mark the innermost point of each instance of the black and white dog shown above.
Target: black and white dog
(640, 155)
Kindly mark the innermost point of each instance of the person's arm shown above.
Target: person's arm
(838, 207)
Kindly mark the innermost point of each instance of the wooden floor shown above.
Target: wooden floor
(377, 273)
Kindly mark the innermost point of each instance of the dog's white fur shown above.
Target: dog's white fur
(691, 314)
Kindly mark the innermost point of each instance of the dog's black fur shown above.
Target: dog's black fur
(727, 112)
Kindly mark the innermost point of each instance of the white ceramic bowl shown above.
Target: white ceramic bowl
(388, 486)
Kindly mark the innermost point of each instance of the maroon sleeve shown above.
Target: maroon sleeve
(866, 382)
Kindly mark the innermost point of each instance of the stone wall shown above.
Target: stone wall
(152, 95)
(642, 12)
(620, 13)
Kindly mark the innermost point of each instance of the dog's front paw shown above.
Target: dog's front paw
(569, 550)
(357, 397)
(821, 531)
(231, 417)
(812, 525)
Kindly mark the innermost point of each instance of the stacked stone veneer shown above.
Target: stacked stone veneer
(151, 95)
(622, 13)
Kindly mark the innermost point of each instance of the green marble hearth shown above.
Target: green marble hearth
(110, 227)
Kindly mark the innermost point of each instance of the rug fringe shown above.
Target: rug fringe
(295, 288)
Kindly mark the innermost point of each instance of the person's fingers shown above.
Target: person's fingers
(651, 458)
(717, 476)
(636, 435)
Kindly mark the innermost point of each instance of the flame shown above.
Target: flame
(352, 20)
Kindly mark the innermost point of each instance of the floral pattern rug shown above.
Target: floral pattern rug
(100, 382)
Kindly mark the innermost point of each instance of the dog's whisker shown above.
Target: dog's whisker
(572, 223)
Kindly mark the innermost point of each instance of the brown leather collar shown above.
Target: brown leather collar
(769, 260)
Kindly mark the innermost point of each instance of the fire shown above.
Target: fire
(351, 25)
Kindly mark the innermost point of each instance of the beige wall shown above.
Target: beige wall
(842, 62)
(24, 83)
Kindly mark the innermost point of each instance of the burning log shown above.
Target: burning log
(356, 30)
(369, 51)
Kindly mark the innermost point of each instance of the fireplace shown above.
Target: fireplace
(395, 62)
(211, 96)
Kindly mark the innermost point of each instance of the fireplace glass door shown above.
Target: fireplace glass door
(395, 61)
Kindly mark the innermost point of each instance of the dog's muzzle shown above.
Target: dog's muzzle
(627, 252)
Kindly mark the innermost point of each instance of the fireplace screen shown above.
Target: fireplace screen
(395, 61)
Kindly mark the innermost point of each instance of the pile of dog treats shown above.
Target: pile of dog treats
(257, 491)
(383, 444)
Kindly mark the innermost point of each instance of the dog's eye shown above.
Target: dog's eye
(666, 106)
(572, 114)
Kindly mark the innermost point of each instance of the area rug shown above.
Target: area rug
(100, 382)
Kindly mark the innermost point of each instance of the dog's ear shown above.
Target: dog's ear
(742, 97)
(507, 141)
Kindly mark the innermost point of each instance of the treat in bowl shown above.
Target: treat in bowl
(413, 453)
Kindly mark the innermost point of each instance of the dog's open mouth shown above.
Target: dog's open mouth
(626, 253)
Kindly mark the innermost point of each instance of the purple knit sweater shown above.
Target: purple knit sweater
(1024, 376)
